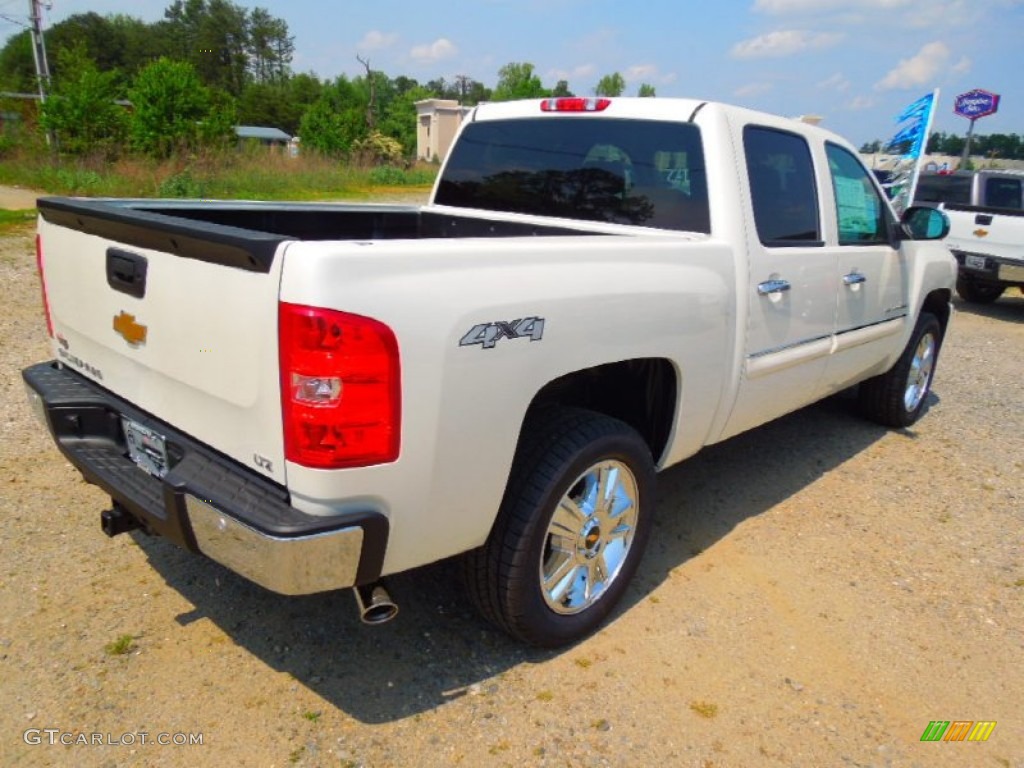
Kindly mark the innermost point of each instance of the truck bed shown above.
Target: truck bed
(246, 234)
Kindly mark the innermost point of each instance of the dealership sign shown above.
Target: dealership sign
(976, 103)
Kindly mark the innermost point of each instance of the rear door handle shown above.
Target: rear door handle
(768, 287)
(854, 278)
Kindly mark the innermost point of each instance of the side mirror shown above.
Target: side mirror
(922, 222)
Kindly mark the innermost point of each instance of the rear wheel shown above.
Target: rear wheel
(571, 529)
(897, 398)
(978, 292)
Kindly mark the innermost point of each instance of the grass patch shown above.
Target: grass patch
(13, 221)
(704, 708)
(312, 716)
(123, 645)
(246, 175)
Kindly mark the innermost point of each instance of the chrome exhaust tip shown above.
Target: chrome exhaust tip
(375, 603)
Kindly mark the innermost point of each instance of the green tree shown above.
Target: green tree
(517, 80)
(399, 117)
(169, 102)
(17, 68)
(871, 147)
(279, 105)
(610, 85)
(562, 89)
(81, 108)
(270, 47)
(646, 91)
(114, 42)
(337, 119)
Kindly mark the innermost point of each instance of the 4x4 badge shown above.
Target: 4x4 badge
(489, 334)
(132, 332)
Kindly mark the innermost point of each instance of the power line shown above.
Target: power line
(12, 20)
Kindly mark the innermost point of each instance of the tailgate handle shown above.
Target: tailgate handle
(126, 272)
(983, 220)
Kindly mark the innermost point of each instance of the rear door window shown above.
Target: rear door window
(640, 172)
(782, 187)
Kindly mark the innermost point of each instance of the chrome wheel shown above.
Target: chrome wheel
(589, 537)
(920, 374)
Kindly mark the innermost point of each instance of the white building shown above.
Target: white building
(437, 121)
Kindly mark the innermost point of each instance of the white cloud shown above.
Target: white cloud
(780, 7)
(961, 67)
(375, 40)
(921, 69)
(835, 83)
(860, 103)
(784, 43)
(576, 73)
(641, 72)
(752, 89)
(442, 48)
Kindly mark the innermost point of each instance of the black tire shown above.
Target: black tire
(978, 292)
(563, 452)
(897, 398)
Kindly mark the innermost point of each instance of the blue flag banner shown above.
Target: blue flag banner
(909, 143)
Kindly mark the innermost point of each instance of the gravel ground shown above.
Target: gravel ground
(815, 593)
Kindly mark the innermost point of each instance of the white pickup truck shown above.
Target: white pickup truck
(317, 396)
(986, 228)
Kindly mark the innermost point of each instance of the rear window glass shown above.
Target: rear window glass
(937, 188)
(640, 172)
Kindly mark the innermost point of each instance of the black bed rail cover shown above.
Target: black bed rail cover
(128, 222)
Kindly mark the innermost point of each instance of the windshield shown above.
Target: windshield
(641, 172)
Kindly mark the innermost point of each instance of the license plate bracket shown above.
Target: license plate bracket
(146, 447)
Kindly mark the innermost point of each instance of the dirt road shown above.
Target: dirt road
(815, 594)
(17, 198)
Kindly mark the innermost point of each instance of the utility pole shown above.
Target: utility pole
(39, 48)
(463, 82)
(39, 54)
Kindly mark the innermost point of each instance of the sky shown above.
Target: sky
(856, 63)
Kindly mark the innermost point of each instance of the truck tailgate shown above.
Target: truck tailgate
(179, 320)
(990, 231)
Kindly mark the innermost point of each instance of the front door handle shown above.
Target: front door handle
(854, 278)
(768, 287)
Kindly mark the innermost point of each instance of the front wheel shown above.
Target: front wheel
(571, 529)
(897, 397)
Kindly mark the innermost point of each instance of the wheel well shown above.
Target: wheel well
(937, 302)
(640, 392)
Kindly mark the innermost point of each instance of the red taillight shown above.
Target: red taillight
(575, 104)
(340, 388)
(42, 283)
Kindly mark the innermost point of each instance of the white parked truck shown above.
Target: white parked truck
(317, 396)
(986, 228)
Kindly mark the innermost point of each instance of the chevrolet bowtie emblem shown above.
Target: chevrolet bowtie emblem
(980, 232)
(132, 332)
